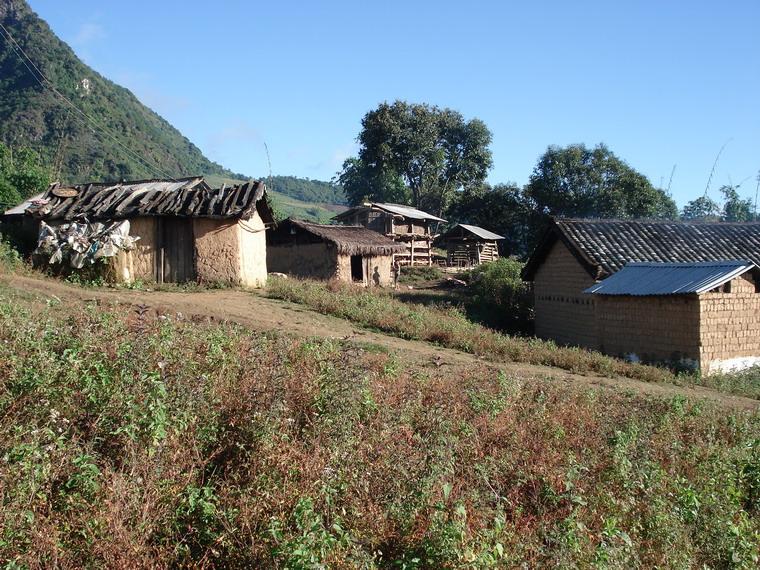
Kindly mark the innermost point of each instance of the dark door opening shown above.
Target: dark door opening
(175, 251)
(357, 268)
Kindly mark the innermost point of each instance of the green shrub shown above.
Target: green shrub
(745, 382)
(497, 286)
(10, 259)
(410, 275)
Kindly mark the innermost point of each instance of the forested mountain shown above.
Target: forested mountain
(122, 135)
(121, 139)
(307, 190)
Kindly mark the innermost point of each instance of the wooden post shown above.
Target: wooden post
(411, 257)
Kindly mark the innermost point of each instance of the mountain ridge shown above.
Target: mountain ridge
(119, 138)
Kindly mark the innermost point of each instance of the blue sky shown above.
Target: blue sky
(661, 83)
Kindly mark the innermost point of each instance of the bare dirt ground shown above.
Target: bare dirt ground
(253, 309)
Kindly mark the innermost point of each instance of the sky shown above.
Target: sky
(662, 84)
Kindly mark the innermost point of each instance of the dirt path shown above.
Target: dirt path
(253, 309)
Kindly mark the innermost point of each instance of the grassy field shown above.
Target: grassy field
(129, 441)
(449, 326)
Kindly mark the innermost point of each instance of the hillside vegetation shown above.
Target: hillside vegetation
(123, 135)
(33, 116)
(135, 441)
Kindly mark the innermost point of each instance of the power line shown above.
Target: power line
(46, 83)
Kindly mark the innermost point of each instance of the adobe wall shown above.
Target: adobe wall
(343, 268)
(730, 331)
(378, 269)
(410, 227)
(314, 260)
(563, 312)
(253, 252)
(140, 263)
(217, 250)
(650, 329)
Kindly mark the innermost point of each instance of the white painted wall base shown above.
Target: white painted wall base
(732, 364)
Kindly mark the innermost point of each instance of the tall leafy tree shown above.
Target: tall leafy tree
(736, 208)
(502, 209)
(702, 209)
(593, 182)
(21, 175)
(361, 183)
(433, 151)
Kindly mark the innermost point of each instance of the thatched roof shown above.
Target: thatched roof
(349, 240)
(185, 198)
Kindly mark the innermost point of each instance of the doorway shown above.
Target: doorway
(175, 261)
(357, 268)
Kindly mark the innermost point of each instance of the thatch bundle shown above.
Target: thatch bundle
(350, 240)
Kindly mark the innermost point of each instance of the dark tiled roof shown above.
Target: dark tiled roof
(605, 246)
(186, 197)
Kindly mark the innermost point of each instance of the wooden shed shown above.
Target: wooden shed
(412, 228)
(318, 251)
(575, 254)
(468, 245)
(187, 231)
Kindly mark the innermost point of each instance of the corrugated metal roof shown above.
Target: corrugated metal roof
(480, 232)
(398, 209)
(642, 279)
(21, 208)
(407, 212)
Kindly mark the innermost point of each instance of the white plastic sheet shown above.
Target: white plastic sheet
(79, 243)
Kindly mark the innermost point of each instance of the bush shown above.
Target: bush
(132, 441)
(10, 259)
(421, 273)
(498, 287)
(745, 382)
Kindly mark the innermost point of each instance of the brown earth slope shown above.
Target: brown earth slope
(255, 310)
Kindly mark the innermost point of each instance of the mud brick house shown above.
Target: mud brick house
(702, 315)
(574, 255)
(469, 245)
(187, 231)
(349, 253)
(408, 226)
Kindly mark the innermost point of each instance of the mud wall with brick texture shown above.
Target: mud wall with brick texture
(312, 260)
(217, 250)
(730, 326)
(651, 329)
(563, 312)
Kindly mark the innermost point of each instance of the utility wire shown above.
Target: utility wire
(46, 83)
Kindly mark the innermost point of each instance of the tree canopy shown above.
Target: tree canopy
(502, 209)
(417, 153)
(734, 209)
(576, 181)
(21, 175)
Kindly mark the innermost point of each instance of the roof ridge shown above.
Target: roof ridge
(653, 221)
